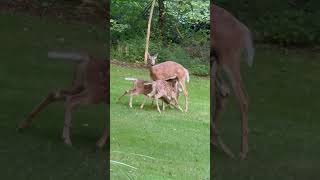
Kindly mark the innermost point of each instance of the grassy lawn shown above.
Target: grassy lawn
(171, 145)
(284, 134)
(283, 87)
(26, 76)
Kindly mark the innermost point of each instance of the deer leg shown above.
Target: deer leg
(163, 106)
(130, 102)
(219, 96)
(50, 98)
(216, 139)
(185, 92)
(244, 122)
(75, 89)
(103, 140)
(125, 93)
(176, 105)
(144, 101)
(240, 94)
(157, 102)
(71, 103)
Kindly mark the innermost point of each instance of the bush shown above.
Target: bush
(132, 50)
(289, 23)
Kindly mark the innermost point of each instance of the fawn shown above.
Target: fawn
(167, 90)
(141, 87)
(90, 85)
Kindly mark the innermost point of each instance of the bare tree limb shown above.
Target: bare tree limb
(148, 32)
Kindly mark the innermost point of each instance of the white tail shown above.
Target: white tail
(130, 79)
(188, 77)
(73, 56)
(168, 69)
(248, 47)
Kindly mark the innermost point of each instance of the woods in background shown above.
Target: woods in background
(179, 32)
(286, 22)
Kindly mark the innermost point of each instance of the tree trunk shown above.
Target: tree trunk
(162, 21)
(148, 32)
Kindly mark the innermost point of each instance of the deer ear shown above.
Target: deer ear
(156, 55)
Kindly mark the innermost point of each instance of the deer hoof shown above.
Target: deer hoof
(100, 144)
(243, 156)
(22, 126)
(20, 129)
(68, 142)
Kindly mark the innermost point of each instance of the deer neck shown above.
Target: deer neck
(150, 67)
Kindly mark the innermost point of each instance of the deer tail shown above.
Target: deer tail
(248, 47)
(130, 79)
(188, 77)
(70, 56)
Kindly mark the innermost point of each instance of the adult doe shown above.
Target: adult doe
(167, 70)
(229, 39)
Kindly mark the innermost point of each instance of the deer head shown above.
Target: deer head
(152, 59)
(175, 85)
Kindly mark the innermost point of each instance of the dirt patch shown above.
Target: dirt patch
(126, 64)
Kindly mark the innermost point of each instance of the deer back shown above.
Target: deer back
(230, 36)
(167, 70)
(141, 87)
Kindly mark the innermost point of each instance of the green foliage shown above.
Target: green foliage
(192, 54)
(281, 22)
(189, 11)
(184, 37)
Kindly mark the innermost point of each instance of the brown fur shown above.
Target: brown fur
(90, 85)
(139, 87)
(167, 70)
(230, 38)
(165, 89)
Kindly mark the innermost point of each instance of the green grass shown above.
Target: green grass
(284, 139)
(283, 119)
(26, 76)
(177, 142)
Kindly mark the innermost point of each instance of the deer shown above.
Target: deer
(167, 90)
(230, 38)
(142, 87)
(167, 70)
(139, 87)
(90, 85)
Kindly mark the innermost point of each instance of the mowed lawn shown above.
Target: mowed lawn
(26, 76)
(171, 145)
(284, 138)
